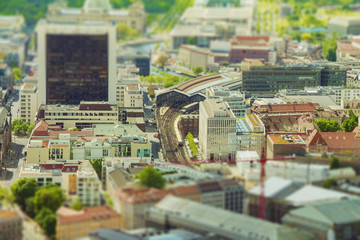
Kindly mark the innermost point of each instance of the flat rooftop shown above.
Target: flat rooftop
(286, 139)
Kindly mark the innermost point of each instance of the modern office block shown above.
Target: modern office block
(77, 62)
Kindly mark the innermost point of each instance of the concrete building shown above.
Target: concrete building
(80, 116)
(28, 97)
(284, 145)
(346, 93)
(235, 100)
(88, 185)
(191, 56)
(176, 212)
(217, 129)
(250, 134)
(284, 195)
(102, 11)
(72, 224)
(10, 225)
(328, 220)
(343, 26)
(67, 70)
(133, 204)
(189, 123)
(5, 133)
(206, 24)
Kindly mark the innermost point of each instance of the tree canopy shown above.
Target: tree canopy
(197, 70)
(327, 125)
(47, 221)
(193, 148)
(334, 163)
(349, 124)
(329, 49)
(19, 127)
(22, 189)
(50, 196)
(151, 91)
(150, 177)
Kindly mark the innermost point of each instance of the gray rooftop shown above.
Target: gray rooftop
(331, 213)
(194, 215)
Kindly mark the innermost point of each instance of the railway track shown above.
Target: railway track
(172, 152)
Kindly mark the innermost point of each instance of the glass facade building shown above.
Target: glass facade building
(76, 68)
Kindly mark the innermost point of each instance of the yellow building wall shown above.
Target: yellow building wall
(33, 155)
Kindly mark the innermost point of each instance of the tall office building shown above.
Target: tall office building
(77, 62)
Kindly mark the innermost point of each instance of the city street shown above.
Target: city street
(14, 160)
(149, 113)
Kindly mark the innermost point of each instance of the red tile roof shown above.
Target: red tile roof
(334, 140)
(69, 216)
(288, 108)
(41, 129)
(152, 195)
(342, 46)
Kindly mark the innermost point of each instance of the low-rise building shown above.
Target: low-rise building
(132, 204)
(329, 220)
(284, 145)
(72, 224)
(176, 212)
(81, 116)
(10, 225)
(333, 141)
(283, 195)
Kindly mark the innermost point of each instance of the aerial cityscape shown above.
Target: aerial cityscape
(180, 119)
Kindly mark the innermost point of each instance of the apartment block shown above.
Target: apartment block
(132, 204)
(28, 98)
(10, 225)
(72, 224)
(88, 185)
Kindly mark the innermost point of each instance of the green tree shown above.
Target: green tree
(161, 60)
(50, 196)
(47, 221)
(334, 163)
(197, 70)
(329, 183)
(126, 32)
(5, 195)
(192, 145)
(97, 165)
(353, 116)
(74, 129)
(17, 73)
(77, 204)
(150, 177)
(191, 40)
(329, 49)
(327, 125)
(22, 189)
(348, 125)
(151, 91)
(29, 207)
(30, 128)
